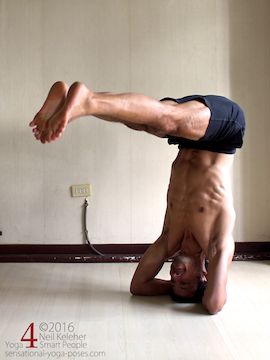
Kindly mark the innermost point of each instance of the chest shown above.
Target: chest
(191, 233)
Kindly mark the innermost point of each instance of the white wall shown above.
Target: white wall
(250, 85)
(157, 47)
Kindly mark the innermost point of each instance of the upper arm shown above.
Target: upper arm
(220, 254)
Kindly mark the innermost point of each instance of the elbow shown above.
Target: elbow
(134, 289)
(213, 307)
(139, 289)
(213, 310)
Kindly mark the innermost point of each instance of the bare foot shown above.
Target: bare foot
(77, 104)
(53, 103)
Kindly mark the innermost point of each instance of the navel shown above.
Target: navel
(201, 209)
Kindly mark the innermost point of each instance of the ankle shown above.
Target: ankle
(90, 103)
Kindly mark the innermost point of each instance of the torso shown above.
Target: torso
(199, 188)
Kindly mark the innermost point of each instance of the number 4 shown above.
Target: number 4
(31, 340)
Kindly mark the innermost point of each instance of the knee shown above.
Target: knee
(168, 122)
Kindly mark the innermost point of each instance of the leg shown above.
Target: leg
(134, 110)
(139, 112)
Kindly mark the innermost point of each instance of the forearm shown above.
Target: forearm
(152, 287)
(215, 295)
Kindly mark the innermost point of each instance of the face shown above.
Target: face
(185, 275)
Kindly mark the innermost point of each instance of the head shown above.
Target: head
(188, 277)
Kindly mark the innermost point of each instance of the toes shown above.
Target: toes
(43, 137)
(49, 135)
(37, 136)
(38, 120)
(36, 133)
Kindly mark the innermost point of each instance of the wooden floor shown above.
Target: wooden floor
(112, 324)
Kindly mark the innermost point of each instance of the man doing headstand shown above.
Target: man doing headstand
(200, 216)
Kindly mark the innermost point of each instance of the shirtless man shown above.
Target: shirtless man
(200, 215)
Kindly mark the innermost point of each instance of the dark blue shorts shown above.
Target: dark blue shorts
(226, 127)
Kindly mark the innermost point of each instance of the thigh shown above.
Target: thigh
(190, 118)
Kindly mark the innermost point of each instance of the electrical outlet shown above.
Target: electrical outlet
(81, 190)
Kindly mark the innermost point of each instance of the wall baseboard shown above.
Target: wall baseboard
(112, 252)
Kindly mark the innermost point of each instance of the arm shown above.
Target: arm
(220, 254)
(144, 281)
